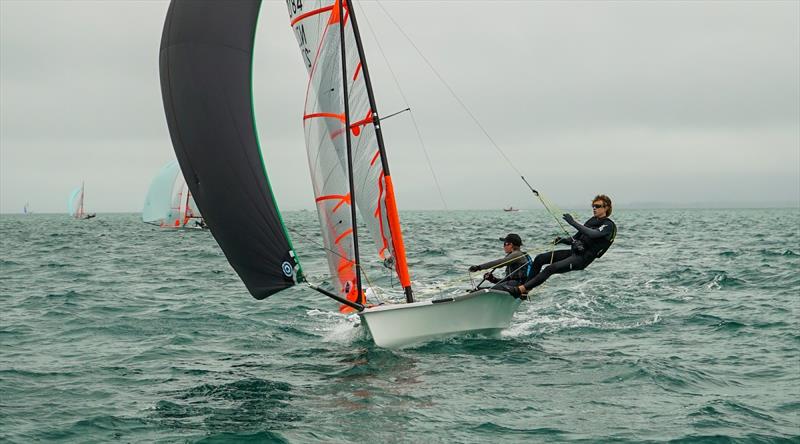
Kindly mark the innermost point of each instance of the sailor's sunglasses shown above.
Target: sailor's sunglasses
(598, 206)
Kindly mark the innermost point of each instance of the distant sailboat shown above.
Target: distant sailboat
(75, 204)
(510, 209)
(205, 65)
(26, 209)
(169, 202)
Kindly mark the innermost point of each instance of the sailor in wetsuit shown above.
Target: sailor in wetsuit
(518, 265)
(591, 242)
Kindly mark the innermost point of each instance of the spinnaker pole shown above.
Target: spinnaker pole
(346, 100)
(391, 206)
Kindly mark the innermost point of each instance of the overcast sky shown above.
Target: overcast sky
(677, 102)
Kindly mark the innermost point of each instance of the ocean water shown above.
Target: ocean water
(686, 330)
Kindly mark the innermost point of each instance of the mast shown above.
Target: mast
(346, 100)
(186, 208)
(391, 206)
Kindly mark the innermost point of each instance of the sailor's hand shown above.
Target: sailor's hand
(568, 217)
(474, 268)
(488, 276)
(518, 292)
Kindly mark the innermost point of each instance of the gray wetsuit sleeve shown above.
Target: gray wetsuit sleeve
(591, 233)
(501, 261)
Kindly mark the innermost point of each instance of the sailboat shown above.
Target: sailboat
(205, 68)
(169, 203)
(510, 209)
(75, 204)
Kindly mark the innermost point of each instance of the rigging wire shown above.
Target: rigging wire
(408, 107)
(320, 245)
(363, 271)
(471, 115)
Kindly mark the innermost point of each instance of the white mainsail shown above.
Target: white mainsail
(316, 26)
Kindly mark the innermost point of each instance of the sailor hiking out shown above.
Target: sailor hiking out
(590, 242)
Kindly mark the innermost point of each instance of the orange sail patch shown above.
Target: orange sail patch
(328, 115)
(356, 126)
(311, 14)
(335, 13)
(343, 199)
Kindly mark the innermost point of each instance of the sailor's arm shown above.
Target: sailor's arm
(496, 263)
(591, 233)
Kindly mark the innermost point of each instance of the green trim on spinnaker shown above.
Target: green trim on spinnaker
(299, 275)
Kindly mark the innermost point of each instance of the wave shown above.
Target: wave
(719, 323)
(490, 427)
(234, 407)
(723, 281)
(779, 252)
(263, 436)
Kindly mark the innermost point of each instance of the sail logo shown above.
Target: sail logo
(287, 269)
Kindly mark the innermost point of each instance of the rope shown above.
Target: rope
(542, 199)
(408, 107)
(466, 109)
(552, 256)
(361, 267)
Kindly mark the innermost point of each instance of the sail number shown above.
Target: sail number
(294, 7)
(301, 40)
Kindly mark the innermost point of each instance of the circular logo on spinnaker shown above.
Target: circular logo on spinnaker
(287, 269)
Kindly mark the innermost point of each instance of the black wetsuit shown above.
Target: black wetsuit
(592, 240)
(517, 271)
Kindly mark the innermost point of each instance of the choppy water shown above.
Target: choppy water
(686, 330)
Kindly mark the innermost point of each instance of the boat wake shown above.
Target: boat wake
(534, 321)
(337, 328)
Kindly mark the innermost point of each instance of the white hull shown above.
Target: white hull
(399, 325)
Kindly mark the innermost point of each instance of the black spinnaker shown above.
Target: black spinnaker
(205, 66)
